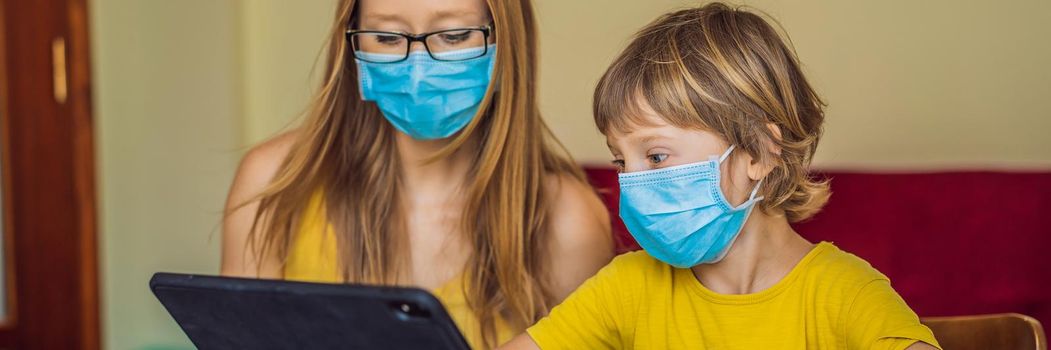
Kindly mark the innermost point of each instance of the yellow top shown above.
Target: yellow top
(313, 258)
(830, 300)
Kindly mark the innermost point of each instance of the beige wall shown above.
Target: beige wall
(910, 84)
(280, 41)
(166, 104)
(183, 86)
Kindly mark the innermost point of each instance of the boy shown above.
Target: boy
(713, 126)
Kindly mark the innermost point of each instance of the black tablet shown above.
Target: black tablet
(237, 313)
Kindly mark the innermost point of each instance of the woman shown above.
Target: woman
(424, 162)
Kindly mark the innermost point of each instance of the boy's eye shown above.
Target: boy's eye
(657, 158)
(619, 163)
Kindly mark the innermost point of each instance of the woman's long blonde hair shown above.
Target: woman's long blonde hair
(346, 149)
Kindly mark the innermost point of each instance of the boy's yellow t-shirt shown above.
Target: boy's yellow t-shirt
(830, 300)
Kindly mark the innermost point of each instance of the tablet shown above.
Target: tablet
(237, 313)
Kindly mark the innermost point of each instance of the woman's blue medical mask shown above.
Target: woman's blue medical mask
(679, 214)
(423, 97)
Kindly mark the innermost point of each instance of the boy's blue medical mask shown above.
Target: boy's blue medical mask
(679, 214)
(426, 98)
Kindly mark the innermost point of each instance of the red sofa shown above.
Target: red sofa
(952, 243)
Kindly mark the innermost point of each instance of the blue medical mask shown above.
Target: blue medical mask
(426, 98)
(679, 214)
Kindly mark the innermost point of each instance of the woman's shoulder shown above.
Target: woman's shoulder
(579, 241)
(261, 162)
(573, 197)
(257, 169)
(254, 174)
(577, 214)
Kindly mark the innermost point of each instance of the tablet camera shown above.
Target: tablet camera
(408, 311)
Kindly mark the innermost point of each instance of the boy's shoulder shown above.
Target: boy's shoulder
(638, 259)
(828, 268)
(637, 266)
(836, 266)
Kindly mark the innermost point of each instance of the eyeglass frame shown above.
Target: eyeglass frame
(422, 38)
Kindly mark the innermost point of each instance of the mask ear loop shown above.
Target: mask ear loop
(757, 185)
(756, 191)
(726, 154)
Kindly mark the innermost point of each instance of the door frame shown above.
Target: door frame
(50, 226)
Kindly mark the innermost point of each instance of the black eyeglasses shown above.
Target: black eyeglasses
(444, 45)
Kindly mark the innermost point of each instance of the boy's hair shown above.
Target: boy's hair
(724, 70)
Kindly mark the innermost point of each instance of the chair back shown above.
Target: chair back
(999, 331)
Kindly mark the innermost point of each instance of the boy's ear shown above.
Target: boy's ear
(760, 166)
(772, 146)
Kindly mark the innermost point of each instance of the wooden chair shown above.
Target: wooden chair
(1000, 331)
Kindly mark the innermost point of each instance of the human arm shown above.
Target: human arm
(581, 241)
(254, 174)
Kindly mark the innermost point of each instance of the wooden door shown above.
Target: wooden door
(47, 171)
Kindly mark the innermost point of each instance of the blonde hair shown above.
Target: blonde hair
(346, 149)
(728, 71)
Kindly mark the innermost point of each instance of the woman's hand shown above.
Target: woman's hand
(520, 342)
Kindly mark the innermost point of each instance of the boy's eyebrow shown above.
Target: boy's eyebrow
(651, 138)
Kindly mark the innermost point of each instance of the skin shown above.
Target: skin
(767, 248)
(580, 241)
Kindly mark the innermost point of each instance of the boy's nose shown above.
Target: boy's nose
(631, 167)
